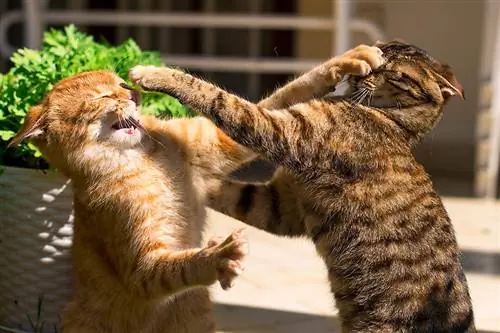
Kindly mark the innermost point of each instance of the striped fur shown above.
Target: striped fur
(348, 180)
(138, 208)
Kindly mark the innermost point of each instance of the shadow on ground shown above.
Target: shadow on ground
(246, 319)
(481, 262)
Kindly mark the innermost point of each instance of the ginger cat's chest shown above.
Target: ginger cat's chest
(142, 189)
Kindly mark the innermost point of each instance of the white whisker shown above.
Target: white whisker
(372, 92)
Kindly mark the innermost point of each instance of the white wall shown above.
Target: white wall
(450, 30)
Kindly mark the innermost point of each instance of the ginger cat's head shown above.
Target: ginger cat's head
(409, 77)
(91, 111)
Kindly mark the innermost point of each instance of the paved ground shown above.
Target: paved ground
(284, 287)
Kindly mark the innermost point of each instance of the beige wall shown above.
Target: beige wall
(451, 31)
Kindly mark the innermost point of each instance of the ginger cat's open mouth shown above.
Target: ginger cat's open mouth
(129, 125)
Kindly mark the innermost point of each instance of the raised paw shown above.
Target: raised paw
(229, 253)
(153, 77)
(359, 61)
(137, 74)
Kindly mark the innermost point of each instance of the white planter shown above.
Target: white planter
(35, 239)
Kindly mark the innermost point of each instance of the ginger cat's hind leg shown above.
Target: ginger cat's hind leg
(194, 307)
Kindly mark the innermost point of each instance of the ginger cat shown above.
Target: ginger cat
(139, 185)
(347, 179)
(138, 201)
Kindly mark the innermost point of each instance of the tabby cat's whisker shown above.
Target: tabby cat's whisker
(365, 95)
(360, 97)
(398, 104)
(372, 92)
(355, 96)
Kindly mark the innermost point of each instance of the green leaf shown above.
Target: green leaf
(66, 52)
(6, 135)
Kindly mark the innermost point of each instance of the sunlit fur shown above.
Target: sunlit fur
(139, 265)
(138, 197)
(347, 179)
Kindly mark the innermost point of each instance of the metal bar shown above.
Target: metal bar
(246, 65)
(122, 31)
(185, 20)
(486, 154)
(342, 11)
(144, 33)
(284, 22)
(164, 34)
(254, 52)
(78, 5)
(208, 33)
(33, 12)
(494, 147)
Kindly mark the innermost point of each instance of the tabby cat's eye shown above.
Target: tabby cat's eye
(400, 85)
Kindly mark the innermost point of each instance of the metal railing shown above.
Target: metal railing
(488, 127)
(36, 16)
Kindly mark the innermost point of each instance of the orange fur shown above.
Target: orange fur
(138, 198)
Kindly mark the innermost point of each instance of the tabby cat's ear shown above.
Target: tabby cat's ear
(449, 83)
(33, 126)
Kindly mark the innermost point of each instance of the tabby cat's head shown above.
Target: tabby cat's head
(411, 87)
(410, 76)
(89, 110)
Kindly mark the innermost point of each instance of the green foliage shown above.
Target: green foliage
(65, 53)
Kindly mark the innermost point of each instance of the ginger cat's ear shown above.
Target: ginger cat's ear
(449, 83)
(33, 126)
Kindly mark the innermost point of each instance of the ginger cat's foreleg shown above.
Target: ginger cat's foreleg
(165, 272)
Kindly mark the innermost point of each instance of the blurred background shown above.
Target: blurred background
(252, 46)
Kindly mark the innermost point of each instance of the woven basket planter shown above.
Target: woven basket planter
(35, 239)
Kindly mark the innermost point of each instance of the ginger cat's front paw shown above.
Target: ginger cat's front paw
(360, 61)
(228, 253)
(153, 78)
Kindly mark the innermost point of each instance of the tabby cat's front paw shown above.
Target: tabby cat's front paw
(153, 78)
(360, 61)
(228, 254)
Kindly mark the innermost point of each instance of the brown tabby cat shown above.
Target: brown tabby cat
(349, 181)
(139, 193)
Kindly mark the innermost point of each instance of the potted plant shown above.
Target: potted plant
(35, 200)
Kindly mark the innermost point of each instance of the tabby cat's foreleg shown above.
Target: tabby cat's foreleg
(275, 135)
(258, 129)
(323, 78)
(212, 152)
(272, 206)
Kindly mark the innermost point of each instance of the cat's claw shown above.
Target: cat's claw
(138, 73)
(229, 255)
(152, 77)
(359, 61)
